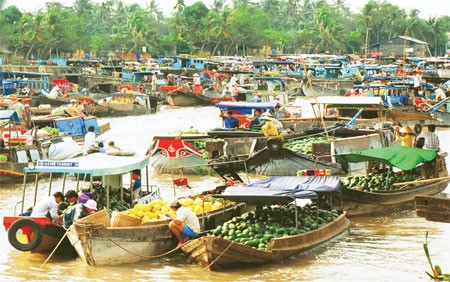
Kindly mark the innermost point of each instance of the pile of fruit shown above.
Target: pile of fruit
(377, 182)
(158, 209)
(256, 229)
(51, 130)
(304, 145)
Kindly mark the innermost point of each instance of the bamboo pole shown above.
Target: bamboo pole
(422, 181)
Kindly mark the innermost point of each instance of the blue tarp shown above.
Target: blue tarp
(9, 114)
(282, 189)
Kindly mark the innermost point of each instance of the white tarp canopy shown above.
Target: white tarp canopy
(97, 164)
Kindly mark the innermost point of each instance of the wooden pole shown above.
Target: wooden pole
(422, 181)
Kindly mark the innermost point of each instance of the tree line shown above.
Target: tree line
(241, 28)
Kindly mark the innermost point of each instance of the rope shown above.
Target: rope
(57, 245)
(217, 258)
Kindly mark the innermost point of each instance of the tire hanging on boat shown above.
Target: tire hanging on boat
(34, 228)
(274, 144)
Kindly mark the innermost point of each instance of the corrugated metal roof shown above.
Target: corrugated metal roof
(413, 40)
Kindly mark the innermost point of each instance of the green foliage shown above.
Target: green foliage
(241, 28)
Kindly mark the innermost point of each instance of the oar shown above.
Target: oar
(421, 181)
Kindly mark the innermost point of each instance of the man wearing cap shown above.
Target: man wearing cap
(406, 135)
(79, 211)
(185, 225)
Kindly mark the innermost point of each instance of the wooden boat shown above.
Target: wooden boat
(100, 244)
(433, 208)
(275, 159)
(356, 202)
(43, 235)
(326, 87)
(125, 106)
(218, 254)
(186, 99)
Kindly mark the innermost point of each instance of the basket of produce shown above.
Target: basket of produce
(119, 219)
(101, 217)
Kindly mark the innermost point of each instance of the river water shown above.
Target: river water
(376, 248)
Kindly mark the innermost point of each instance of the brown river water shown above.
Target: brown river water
(376, 248)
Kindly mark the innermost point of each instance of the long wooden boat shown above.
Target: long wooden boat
(359, 203)
(327, 87)
(356, 202)
(218, 254)
(100, 244)
(186, 99)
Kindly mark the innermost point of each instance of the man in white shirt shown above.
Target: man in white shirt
(48, 207)
(18, 107)
(89, 140)
(186, 224)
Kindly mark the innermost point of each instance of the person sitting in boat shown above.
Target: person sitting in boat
(257, 98)
(269, 129)
(48, 207)
(89, 140)
(139, 101)
(226, 91)
(55, 92)
(136, 184)
(101, 147)
(141, 87)
(256, 121)
(439, 94)
(185, 86)
(229, 121)
(71, 197)
(186, 224)
(79, 211)
(406, 135)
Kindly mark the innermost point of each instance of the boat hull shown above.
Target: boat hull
(182, 99)
(97, 244)
(218, 254)
(356, 202)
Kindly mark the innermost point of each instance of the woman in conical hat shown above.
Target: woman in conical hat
(406, 135)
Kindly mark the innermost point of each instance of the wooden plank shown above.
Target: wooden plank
(433, 208)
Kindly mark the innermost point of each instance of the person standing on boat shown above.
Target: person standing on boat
(229, 121)
(79, 211)
(216, 84)
(431, 139)
(18, 108)
(48, 207)
(186, 224)
(89, 140)
(417, 83)
(197, 84)
(406, 135)
(26, 116)
(154, 82)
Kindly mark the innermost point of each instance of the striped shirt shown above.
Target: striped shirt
(431, 141)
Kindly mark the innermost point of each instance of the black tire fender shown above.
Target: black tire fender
(37, 238)
(274, 144)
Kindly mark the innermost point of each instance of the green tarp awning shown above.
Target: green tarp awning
(402, 157)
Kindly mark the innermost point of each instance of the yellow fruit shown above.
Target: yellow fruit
(186, 202)
(140, 214)
(198, 202)
(139, 207)
(208, 206)
(198, 210)
(217, 205)
(156, 208)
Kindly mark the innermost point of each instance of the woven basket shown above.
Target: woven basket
(101, 217)
(119, 219)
